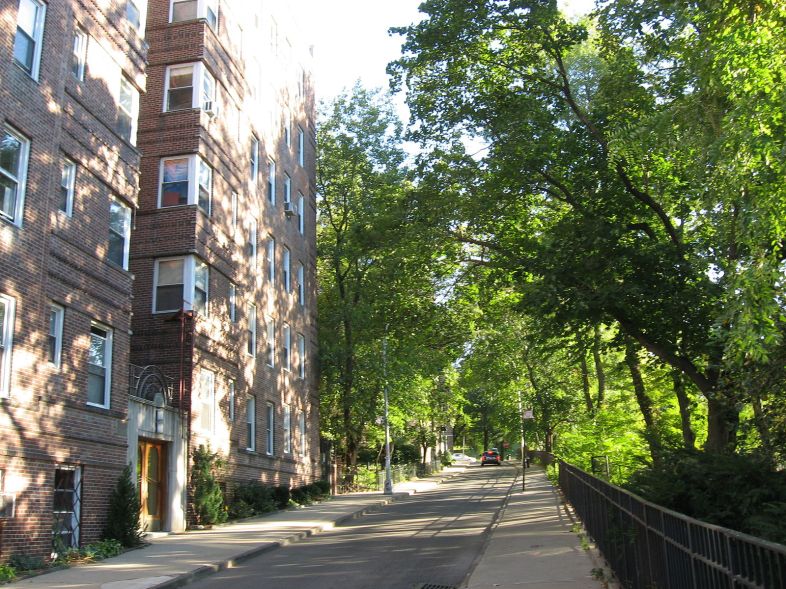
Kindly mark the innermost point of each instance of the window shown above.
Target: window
(234, 210)
(251, 330)
(6, 343)
(29, 34)
(14, 150)
(232, 303)
(271, 259)
(301, 225)
(67, 183)
(182, 10)
(251, 419)
(287, 351)
(231, 400)
(251, 246)
(254, 160)
(207, 400)
(66, 504)
(301, 355)
(181, 80)
(271, 341)
(119, 233)
(271, 182)
(301, 146)
(181, 283)
(185, 180)
(301, 285)
(287, 189)
(79, 55)
(127, 108)
(302, 431)
(56, 313)
(270, 424)
(134, 14)
(285, 264)
(287, 429)
(99, 366)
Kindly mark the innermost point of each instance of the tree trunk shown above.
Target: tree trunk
(723, 420)
(548, 442)
(644, 401)
(599, 369)
(685, 405)
(585, 383)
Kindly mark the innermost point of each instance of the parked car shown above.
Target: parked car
(461, 457)
(490, 457)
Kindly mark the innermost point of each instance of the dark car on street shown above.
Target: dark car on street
(490, 457)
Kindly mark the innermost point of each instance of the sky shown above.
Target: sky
(351, 39)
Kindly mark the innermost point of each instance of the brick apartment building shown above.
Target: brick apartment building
(157, 258)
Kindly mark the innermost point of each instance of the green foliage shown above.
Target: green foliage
(7, 573)
(207, 497)
(123, 522)
(251, 498)
(91, 552)
(25, 562)
(738, 492)
(281, 496)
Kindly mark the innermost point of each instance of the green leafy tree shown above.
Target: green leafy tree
(207, 498)
(123, 522)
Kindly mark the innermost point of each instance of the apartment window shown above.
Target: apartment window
(271, 182)
(134, 14)
(67, 183)
(301, 224)
(287, 189)
(182, 10)
(251, 246)
(79, 55)
(119, 233)
(207, 400)
(127, 108)
(251, 424)
(99, 366)
(301, 355)
(270, 424)
(56, 313)
(301, 285)
(231, 400)
(287, 429)
(235, 205)
(301, 146)
(232, 302)
(66, 506)
(181, 283)
(251, 330)
(29, 34)
(285, 264)
(185, 180)
(6, 343)
(271, 259)
(182, 80)
(287, 351)
(14, 152)
(271, 341)
(302, 431)
(254, 159)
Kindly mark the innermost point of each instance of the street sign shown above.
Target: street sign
(528, 414)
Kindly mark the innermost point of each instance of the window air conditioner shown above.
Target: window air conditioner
(210, 107)
(289, 209)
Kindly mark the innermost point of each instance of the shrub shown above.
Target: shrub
(281, 496)
(323, 486)
(123, 522)
(251, 498)
(90, 553)
(7, 573)
(208, 499)
(24, 562)
(301, 496)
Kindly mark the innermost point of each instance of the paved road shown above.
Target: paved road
(432, 538)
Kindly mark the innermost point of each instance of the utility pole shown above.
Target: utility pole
(388, 479)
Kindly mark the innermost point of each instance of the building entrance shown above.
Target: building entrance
(151, 476)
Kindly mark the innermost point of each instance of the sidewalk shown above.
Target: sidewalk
(532, 545)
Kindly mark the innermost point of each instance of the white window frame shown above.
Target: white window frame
(287, 189)
(235, 205)
(141, 8)
(8, 311)
(301, 223)
(55, 339)
(18, 176)
(36, 35)
(251, 330)
(231, 400)
(251, 246)
(201, 266)
(207, 400)
(301, 146)
(107, 366)
(271, 259)
(271, 182)
(251, 423)
(301, 284)
(286, 269)
(123, 232)
(132, 114)
(203, 86)
(287, 429)
(67, 186)
(79, 53)
(232, 302)
(189, 265)
(270, 429)
(254, 161)
(286, 333)
(202, 12)
(195, 164)
(301, 355)
(270, 341)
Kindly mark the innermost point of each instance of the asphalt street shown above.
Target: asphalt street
(432, 538)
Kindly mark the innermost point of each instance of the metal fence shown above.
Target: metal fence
(650, 547)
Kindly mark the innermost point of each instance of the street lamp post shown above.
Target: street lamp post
(388, 479)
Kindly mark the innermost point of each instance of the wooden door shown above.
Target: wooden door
(151, 472)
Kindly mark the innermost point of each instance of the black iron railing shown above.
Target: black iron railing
(650, 547)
